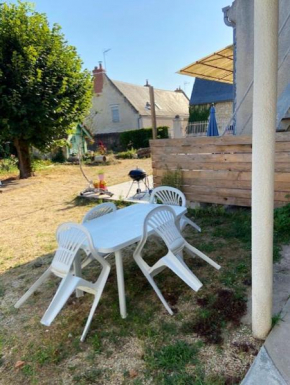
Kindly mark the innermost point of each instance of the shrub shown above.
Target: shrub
(58, 156)
(8, 164)
(126, 154)
(140, 138)
(199, 113)
(172, 178)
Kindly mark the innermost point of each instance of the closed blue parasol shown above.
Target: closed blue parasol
(212, 129)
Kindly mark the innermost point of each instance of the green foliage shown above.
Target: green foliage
(172, 357)
(40, 164)
(58, 156)
(276, 319)
(126, 154)
(44, 90)
(237, 225)
(8, 164)
(140, 138)
(199, 113)
(172, 178)
(282, 224)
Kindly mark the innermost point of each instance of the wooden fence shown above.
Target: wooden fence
(218, 169)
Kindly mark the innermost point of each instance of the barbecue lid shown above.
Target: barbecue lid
(137, 173)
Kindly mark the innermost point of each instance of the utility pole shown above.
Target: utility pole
(153, 113)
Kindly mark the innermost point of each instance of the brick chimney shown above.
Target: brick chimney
(98, 74)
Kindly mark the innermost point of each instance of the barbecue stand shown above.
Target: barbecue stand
(139, 176)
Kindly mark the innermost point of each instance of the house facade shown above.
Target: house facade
(240, 16)
(207, 92)
(118, 106)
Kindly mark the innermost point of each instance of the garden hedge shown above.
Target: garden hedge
(140, 138)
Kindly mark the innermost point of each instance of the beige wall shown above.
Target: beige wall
(100, 121)
(160, 121)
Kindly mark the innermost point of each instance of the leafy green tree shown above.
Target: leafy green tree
(43, 89)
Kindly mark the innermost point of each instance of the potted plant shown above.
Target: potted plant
(101, 175)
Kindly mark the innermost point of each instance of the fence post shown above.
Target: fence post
(177, 131)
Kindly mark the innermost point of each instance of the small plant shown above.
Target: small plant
(276, 319)
(172, 178)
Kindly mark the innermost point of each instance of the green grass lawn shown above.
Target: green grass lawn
(203, 343)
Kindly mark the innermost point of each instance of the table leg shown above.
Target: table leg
(121, 285)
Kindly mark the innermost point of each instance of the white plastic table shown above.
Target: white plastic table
(112, 232)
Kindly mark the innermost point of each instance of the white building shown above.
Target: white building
(119, 106)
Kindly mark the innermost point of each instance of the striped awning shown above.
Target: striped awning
(218, 66)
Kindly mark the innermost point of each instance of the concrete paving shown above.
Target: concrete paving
(120, 192)
(272, 365)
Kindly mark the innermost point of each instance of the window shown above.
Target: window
(115, 114)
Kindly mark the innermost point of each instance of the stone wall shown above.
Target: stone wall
(223, 113)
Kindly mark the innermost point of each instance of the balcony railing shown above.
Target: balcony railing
(197, 128)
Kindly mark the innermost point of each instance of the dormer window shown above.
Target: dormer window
(148, 106)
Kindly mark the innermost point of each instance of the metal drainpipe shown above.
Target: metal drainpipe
(230, 23)
(138, 121)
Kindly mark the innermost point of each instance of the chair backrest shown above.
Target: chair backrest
(98, 211)
(162, 220)
(168, 196)
(71, 237)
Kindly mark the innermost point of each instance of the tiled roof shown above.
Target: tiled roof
(168, 103)
(208, 91)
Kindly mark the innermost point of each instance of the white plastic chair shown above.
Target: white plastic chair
(99, 210)
(96, 212)
(70, 237)
(162, 220)
(173, 197)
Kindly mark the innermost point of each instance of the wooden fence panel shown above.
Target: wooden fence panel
(218, 169)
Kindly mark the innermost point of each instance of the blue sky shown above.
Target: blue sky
(149, 39)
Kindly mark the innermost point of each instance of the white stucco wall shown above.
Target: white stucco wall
(242, 13)
(100, 118)
(146, 121)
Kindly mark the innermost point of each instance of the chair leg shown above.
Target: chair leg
(140, 262)
(90, 317)
(98, 288)
(202, 256)
(78, 273)
(34, 287)
(186, 221)
(179, 269)
(66, 288)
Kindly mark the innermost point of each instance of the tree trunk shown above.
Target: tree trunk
(24, 163)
